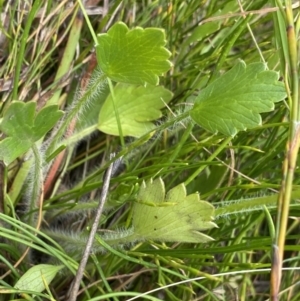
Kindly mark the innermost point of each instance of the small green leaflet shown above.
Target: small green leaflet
(24, 127)
(173, 217)
(135, 56)
(137, 107)
(234, 101)
(33, 279)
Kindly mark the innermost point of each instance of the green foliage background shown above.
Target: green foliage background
(206, 39)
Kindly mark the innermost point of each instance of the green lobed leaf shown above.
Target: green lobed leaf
(18, 120)
(135, 56)
(234, 101)
(23, 128)
(11, 148)
(33, 279)
(173, 217)
(45, 120)
(137, 107)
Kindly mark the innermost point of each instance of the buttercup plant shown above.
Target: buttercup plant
(126, 99)
(243, 103)
(257, 77)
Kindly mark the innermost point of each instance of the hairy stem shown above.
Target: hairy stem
(251, 204)
(37, 191)
(75, 110)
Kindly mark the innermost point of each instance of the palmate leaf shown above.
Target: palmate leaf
(24, 127)
(137, 106)
(173, 217)
(135, 56)
(234, 101)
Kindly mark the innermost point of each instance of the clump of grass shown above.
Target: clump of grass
(48, 57)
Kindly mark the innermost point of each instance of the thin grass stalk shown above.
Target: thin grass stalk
(68, 57)
(211, 157)
(36, 5)
(290, 160)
